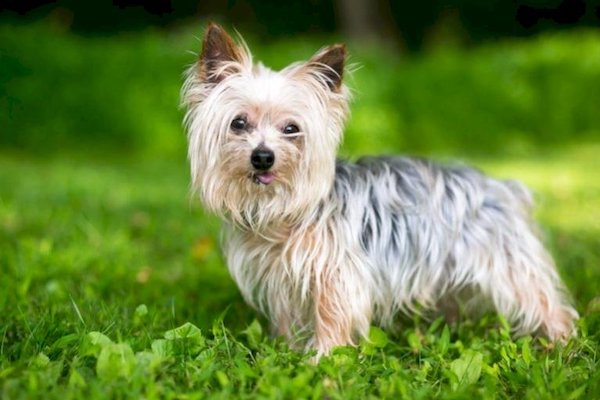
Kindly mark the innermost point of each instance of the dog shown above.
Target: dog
(325, 247)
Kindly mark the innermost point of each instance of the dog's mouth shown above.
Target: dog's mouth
(264, 178)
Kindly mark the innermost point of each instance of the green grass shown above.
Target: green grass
(101, 261)
(112, 284)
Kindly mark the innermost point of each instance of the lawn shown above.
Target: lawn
(112, 284)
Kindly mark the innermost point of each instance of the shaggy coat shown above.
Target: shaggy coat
(324, 248)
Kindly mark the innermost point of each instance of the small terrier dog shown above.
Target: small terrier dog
(325, 247)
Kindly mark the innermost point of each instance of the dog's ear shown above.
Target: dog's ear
(218, 49)
(329, 63)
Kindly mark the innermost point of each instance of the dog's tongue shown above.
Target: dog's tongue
(265, 177)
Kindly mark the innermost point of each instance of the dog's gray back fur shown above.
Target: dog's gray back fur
(431, 230)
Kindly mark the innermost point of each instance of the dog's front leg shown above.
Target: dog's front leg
(333, 320)
(342, 309)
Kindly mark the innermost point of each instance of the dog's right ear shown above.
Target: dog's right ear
(218, 52)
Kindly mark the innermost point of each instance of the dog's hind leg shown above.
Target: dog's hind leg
(525, 287)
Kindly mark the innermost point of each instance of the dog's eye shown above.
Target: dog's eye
(239, 124)
(290, 129)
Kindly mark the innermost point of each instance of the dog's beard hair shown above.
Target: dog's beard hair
(220, 161)
(246, 203)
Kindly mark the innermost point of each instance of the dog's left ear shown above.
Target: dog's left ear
(329, 62)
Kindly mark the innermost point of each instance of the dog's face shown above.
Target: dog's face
(262, 144)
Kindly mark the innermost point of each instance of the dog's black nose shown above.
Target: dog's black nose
(262, 159)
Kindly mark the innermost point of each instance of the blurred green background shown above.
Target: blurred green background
(93, 154)
(454, 77)
(96, 216)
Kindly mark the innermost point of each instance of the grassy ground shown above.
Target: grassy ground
(101, 261)
(111, 280)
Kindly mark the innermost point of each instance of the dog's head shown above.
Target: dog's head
(262, 143)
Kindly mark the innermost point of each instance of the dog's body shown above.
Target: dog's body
(323, 248)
